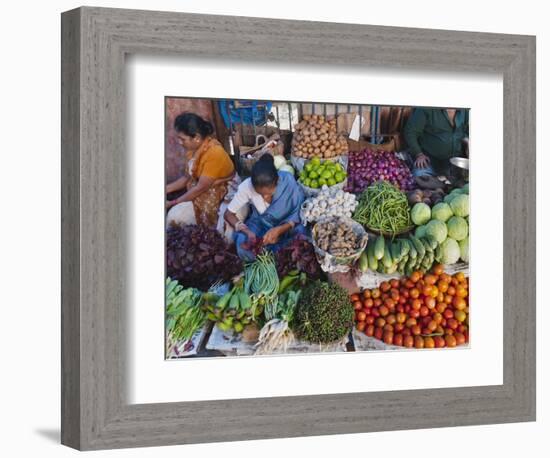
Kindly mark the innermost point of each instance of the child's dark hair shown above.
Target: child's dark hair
(192, 125)
(264, 174)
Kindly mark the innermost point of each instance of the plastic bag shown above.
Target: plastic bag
(330, 263)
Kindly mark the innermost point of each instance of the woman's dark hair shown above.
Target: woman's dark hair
(264, 174)
(192, 125)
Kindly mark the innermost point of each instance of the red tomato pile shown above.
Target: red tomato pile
(421, 311)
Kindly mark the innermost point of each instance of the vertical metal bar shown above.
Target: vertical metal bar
(230, 122)
(278, 119)
(325, 110)
(376, 114)
(372, 124)
(360, 119)
(300, 112)
(289, 117)
(312, 108)
(242, 125)
(336, 116)
(254, 107)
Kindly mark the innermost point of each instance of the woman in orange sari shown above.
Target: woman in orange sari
(209, 168)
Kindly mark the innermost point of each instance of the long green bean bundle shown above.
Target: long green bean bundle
(261, 280)
(384, 208)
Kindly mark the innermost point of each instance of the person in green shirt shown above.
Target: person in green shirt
(434, 135)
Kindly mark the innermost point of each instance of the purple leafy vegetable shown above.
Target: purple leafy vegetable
(298, 254)
(198, 256)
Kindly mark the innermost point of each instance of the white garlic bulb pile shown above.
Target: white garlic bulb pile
(328, 203)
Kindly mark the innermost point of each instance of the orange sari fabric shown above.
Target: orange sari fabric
(209, 160)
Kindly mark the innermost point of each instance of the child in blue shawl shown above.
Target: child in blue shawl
(275, 199)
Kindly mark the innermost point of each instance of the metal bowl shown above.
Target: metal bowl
(460, 162)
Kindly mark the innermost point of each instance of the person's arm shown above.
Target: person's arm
(224, 180)
(272, 236)
(240, 199)
(202, 186)
(177, 185)
(238, 225)
(413, 131)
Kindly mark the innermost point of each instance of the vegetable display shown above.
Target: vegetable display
(261, 281)
(421, 311)
(403, 255)
(442, 212)
(317, 173)
(367, 167)
(234, 310)
(384, 208)
(184, 315)
(437, 229)
(457, 228)
(317, 136)
(328, 203)
(448, 226)
(448, 252)
(299, 255)
(337, 237)
(460, 205)
(198, 256)
(427, 196)
(421, 214)
(323, 314)
(464, 246)
(276, 334)
(255, 246)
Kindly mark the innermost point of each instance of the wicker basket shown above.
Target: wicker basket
(250, 155)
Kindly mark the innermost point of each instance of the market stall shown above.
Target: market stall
(382, 265)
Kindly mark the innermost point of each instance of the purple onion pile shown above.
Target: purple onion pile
(368, 166)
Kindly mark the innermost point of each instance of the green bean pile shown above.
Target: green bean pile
(382, 207)
(261, 280)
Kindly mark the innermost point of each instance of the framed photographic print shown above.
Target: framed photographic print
(268, 234)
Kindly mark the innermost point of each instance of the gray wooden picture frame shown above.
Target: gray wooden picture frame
(95, 411)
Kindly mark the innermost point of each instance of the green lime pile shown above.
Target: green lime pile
(317, 173)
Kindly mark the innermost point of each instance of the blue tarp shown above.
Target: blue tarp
(251, 112)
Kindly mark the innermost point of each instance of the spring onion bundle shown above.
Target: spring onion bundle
(183, 312)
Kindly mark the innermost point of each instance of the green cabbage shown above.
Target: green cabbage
(457, 228)
(420, 214)
(420, 232)
(460, 205)
(436, 229)
(447, 199)
(448, 252)
(442, 211)
(464, 246)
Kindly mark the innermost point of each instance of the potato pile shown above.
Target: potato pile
(337, 237)
(316, 136)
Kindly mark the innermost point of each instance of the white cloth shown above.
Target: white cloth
(181, 215)
(246, 194)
